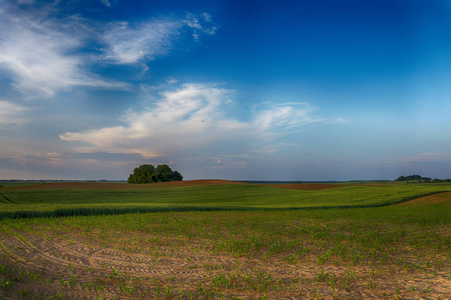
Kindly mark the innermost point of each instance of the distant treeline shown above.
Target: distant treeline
(418, 178)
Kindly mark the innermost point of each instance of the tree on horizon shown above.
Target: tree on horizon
(147, 173)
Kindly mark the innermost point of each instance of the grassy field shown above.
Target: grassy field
(397, 251)
(62, 199)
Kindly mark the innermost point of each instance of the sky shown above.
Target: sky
(244, 90)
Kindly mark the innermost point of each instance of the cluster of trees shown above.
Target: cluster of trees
(418, 178)
(413, 177)
(148, 173)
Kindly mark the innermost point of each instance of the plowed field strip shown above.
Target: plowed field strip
(122, 186)
(174, 184)
(443, 198)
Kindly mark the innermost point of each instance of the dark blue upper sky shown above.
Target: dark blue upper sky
(267, 90)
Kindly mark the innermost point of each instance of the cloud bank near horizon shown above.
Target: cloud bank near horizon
(196, 120)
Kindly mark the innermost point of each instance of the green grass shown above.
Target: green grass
(6, 184)
(60, 202)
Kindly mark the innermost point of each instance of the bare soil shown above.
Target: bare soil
(173, 184)
(79, 266)
(442, 198)
(121, 186)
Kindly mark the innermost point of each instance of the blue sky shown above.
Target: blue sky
(256, 90)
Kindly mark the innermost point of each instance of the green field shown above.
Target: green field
(59, 202)
(249, 242)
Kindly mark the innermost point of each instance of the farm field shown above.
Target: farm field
(391, 242)
(90, 198)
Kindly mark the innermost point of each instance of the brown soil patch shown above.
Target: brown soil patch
(81, 265)
(306, 186)
(173, 184)
(122, 186)
(442, 198)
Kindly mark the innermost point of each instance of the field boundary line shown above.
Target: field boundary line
(7, 199)
(417, 197)
(88, 211)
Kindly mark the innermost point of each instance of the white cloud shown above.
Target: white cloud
(341, 120)
(193, 120)
(11, 113)
(207, 17)
(128, 43)
(34, 55)
(196, 24)
(39, 53)
(193, 22)
(289, 115)
(184, 118)
(45, 54)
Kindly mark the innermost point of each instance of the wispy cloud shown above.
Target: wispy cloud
(35, 55)
(106, 2)
(194, 120)
(287, 116)
(129, 43)
(427, 158)
(40, 53)
(200, 24)
(45, 53)
(341, 121)
(11, 113)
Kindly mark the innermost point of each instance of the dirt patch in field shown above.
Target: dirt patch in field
(442, 198)
(122, 186)
(306, 186)
(173, 184)
(51, 264)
